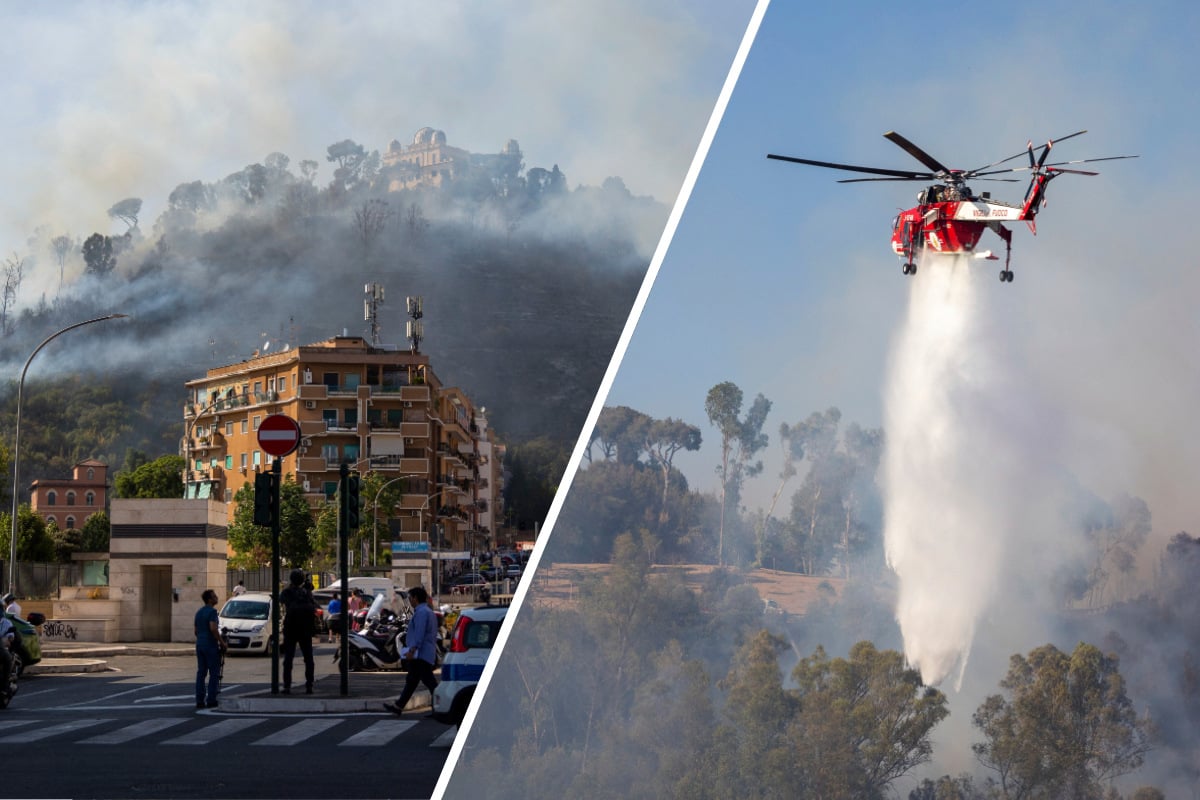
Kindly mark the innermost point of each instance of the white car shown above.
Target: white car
(470, 645)
(246, 622)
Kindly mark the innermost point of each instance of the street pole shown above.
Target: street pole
(375, 513)
(16, 455)
(277, 471)
(344, 567)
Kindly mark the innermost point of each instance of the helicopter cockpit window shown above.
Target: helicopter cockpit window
(920, 198)
(895, 222)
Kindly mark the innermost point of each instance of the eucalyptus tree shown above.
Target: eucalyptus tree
(741, 439)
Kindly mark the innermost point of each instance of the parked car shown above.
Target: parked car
(475, 632)
(246, 622)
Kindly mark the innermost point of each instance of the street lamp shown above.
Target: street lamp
(375, 511)
(187, 442)
(16, 456)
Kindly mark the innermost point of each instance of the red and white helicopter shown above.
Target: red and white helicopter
(949, 217)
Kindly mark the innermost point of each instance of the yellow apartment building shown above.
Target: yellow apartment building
(375, 408)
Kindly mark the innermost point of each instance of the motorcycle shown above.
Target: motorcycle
(378, 643)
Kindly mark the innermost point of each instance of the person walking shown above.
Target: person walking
(420, 649)
(210, 644)
(354, 604)
(334, 612)
(299, 625)
(239, 589)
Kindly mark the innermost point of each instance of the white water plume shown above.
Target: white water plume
(961, 471)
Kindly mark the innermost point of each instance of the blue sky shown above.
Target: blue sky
(782, 280)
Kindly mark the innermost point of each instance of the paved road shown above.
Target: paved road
(134, 732)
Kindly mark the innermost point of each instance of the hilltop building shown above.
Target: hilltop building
(68, 502)
(375, 408)
(429, 161)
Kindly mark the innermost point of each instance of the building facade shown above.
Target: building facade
(68, 502)
(430, 161)
(377, 409)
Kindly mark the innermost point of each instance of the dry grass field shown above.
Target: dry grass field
(559, 583)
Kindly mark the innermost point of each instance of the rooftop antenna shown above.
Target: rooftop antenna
(371, 304)
(416, 329)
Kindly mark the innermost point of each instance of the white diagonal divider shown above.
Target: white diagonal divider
(53, 730)
(304, 729)
(378, 733)
(134, 731)
(219, 730)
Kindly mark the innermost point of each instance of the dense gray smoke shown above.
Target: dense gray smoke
(964, 474)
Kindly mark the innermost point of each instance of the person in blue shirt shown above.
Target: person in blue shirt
(333, 613)
(209, 646)
(420, 649)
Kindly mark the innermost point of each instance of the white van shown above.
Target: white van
(371, 588)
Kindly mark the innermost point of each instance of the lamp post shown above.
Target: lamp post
(187, 442)
(16, 456)
(375, 512)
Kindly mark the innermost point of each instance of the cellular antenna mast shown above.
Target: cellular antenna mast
(416, 328)
(371, 304)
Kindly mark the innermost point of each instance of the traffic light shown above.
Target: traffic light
(352, 501)
(264, 499)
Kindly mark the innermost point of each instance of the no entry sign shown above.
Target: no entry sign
(278, 435)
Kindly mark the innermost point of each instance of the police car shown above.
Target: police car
(470, 645)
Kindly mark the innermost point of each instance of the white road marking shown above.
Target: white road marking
(162, 697)
(304, 729)
(118, 694)
(137, 730)
(216, 731)
(379, 733)
(446, 739)
(53, 730)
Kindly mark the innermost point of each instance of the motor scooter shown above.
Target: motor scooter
(379, 642)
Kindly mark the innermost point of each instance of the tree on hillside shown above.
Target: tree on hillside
(663, 439)
(753, 759)
(1115, 541)
(127, 211)
(1064, 726)
(62, 246)
(161, 478)
(98, 255)
(536, 468)
(864, 721)
(620, 433)
(14, 273)
(741, 438)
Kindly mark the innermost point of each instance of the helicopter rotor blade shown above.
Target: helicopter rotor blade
(1036, 167)
(1072, 171)
(916, 178)
(915, 152)
(906, 175)
(1087, 160)
(1029, 149)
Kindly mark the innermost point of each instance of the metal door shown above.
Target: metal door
(156, 603)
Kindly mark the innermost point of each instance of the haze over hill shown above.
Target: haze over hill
(526, 282)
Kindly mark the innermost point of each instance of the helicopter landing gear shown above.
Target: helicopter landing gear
(908, 269)
(1006, 276)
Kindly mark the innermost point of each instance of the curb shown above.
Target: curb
(265, 702)
(58, 666)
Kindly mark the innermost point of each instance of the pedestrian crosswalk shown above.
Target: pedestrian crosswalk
(199, 730)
